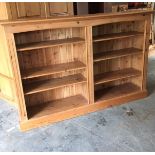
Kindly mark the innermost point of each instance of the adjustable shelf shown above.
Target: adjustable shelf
(52, 69)
(116, 54)
(116, 91)
(53, 83)
(47, 44)
(116, 36)
(116, 75)
(56, 106)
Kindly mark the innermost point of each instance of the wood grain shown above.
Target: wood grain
(27, 10)
(116, 36)
(116, 75)
(100, 56)
(54, 83)
(52, 69)
(47, 44)
(122, 74)
(56, 106)
(115, 91)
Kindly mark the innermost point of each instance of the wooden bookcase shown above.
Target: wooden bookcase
(64, 67)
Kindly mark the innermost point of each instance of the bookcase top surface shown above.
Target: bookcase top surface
(76, 18)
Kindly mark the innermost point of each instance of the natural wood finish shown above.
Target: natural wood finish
(18, 91)
(45, 85)
(47, 44)
(75, 21)
(44, 77)
(90, 65)
(138, 14)
(26, 10)
(56, 106)
(7, 85)
(3, 11)
(75, 112)
(116, 54)
(116, 75)
(115, 91)
(7, 88)
(58, 9)
(18, 10)
(52, 69)
(116, 36)
(146, 50)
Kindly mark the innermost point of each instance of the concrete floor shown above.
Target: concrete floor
(107, 130)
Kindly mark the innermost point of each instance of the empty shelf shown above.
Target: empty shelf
(116, 36)
(115, 91)
(116, 54)
(46, 44)
(116, 75)
(53, 83)
(56, 106)
(52, 69)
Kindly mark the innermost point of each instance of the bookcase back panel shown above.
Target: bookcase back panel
(114, 83)
(118, 64)
(129, 26)
(51, 56)
(138, 42)
(111, 45)
(50, 34)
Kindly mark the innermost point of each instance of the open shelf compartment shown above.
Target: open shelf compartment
(56, 106)
(53, 67)
(117, 59)
(112, 92)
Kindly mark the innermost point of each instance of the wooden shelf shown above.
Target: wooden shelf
(116, 54)
(47, 44)
(116, 75)
(54, 83)
(52, 69)
(56, 106)
(115, 91)
(116, 36)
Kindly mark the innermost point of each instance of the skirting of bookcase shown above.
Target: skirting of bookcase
(86, 108)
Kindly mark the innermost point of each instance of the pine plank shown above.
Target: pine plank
(52, 69)
(116, 75)
(54, 83)
(47, 44)
(56, 106)
(116, 36)
(116, 91)
(116, 54)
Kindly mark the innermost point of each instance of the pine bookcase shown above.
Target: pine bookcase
(58, 68)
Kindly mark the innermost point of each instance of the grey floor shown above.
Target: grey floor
(107, 130)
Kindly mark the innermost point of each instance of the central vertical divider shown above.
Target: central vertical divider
(90, 64)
